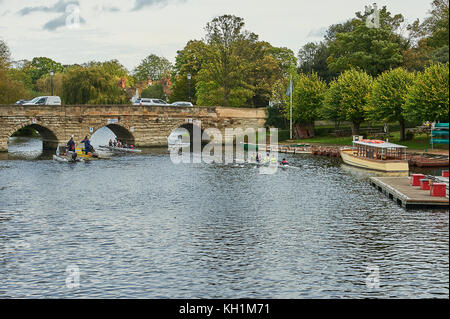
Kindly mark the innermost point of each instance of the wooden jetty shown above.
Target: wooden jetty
(400, 190)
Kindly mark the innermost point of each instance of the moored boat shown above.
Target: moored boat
(376, 155)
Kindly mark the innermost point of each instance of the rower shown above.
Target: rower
(284, 162)
(110, 142)
(71, 145)
(267, 158)
(273, 160)
(252, 157)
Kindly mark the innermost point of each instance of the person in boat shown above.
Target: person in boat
(258, 158)
(252, 157)
(284, 162)
(70, 145)
(125, 145)
(115, 142)
(87, 144)
(110, 142)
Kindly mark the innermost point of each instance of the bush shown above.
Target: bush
(409, 136)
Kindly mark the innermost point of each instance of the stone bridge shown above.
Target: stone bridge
(143, 126)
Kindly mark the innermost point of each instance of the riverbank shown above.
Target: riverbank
(420, 144)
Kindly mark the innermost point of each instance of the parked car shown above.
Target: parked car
(150, 102)
(21, 102)
(45, 100)
(186, 104)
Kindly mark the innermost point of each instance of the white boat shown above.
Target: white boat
(120, 149)
(63, 157)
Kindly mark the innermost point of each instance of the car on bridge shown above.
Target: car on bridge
(21, 102)
(150, 102)
(185, 104)
(44, 100)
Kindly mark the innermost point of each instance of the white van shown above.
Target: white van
(45, 100)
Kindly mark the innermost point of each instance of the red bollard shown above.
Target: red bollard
(438, 190)
(415, 179)
(425, 184)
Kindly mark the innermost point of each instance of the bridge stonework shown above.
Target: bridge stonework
(145, 126)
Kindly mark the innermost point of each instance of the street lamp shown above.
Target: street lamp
(189, 77)
(51, 79)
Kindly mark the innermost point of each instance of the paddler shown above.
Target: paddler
(87, 144)
(284, 162)
(252, 157)
(267, 159)
(110, 142)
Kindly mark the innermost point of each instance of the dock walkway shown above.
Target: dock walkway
(407, 196)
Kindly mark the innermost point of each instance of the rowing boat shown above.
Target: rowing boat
(121, 149)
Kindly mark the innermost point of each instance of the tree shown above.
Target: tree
(5, 54)
(428, 97)
(42, 66)
(91, 85)
(346, 98)
(153, 67)
(436, 27)
(155, 91)
(190, 60)
(387, 98)
(221, 80)
(44, 84)
(11, 89)
(373, 50)
(308, 96)
(313, 57)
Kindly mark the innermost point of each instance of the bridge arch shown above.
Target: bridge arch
(190, 128)
(121, 132)
(49, 137)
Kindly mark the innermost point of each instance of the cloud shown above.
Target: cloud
(106, 8)
(59, 22)
(59, 7)
(140, 4)
(317, 33)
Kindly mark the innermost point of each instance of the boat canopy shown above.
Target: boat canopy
(378, 144)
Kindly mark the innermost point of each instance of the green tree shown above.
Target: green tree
(371, 49)
(387, 98)
(155, 91)
(428, 97)
(42, 66)
(222, 80)
(436, 27)
(153, 67)
(91, 85)
(115, 69)
(308, 96)
(347, 97)
(190, 60)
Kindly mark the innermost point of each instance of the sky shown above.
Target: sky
(78, 31)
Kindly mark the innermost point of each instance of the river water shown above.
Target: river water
(142, 227)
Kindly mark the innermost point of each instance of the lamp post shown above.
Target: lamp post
(189, 77)
(51, 80)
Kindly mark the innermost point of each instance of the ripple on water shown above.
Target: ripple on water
(142, 227)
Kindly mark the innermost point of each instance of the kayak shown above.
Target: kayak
(121, 149)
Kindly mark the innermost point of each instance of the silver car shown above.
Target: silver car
(185, 104)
